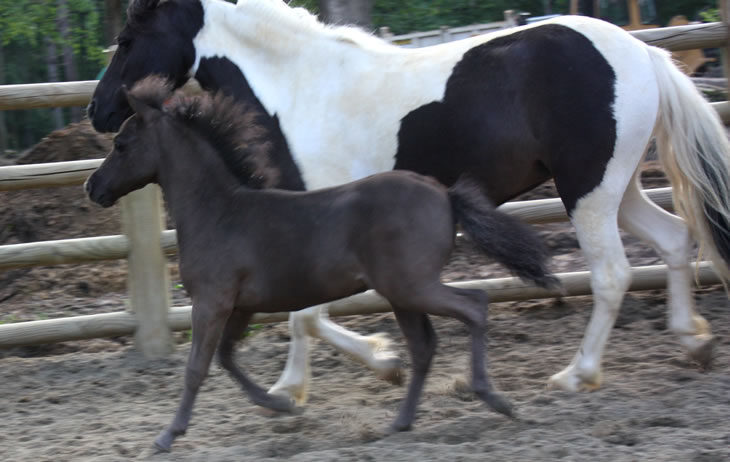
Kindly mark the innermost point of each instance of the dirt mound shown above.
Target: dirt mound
(59, 213)
(74, 142)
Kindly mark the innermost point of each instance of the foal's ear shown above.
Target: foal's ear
(143, 108)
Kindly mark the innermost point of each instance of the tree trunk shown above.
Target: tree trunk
(347, 12)
(113, 20)
(547, 7)
(69, 65)
(3, 128)
(52, 66)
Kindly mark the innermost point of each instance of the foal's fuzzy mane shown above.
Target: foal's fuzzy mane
(232, 128)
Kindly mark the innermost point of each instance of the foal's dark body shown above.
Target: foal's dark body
(311, 251)
(244, 250)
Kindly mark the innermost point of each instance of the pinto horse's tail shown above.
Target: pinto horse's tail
(500, 236)
(695, 152)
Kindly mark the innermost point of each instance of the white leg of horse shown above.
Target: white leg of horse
(670, 237)
(596, 226)
(371, 350)
(294, 380)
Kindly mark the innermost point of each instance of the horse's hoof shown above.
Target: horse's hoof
(499, 403)
(705, 353)
(278, 403)
(392, 373)
(395, 427)
(163, 442)
(569, 380)
(296, 393)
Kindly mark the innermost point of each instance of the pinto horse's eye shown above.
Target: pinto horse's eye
(124, 42)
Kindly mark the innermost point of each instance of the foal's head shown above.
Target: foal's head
(173, 127)
(134, 160)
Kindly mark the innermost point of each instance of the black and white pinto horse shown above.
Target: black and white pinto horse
(574, 98)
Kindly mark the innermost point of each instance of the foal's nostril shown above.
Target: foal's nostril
(91, 109)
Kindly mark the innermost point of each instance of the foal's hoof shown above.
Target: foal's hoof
(497, 402)
(396, 427)
(163, 442)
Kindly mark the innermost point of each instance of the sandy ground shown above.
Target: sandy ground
(655, 405)
(99, 400)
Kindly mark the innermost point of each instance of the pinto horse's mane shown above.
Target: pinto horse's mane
(232, 128)
(280, 16)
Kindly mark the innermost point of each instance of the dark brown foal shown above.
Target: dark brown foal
(245, 250)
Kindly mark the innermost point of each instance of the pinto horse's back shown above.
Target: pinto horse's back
(529, 105)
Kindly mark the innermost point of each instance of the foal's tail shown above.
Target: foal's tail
(695, 153)
(500, 236)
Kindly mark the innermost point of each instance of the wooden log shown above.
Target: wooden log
(91, 249)
(64, 251)
(552, 210)
(57, 94)
(178, 318)
(53, 174)
(723, 110)
(678, 38)
(37, 95)
(148, 278)
(82, 250)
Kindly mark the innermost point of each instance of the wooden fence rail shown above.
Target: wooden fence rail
(178, 318)
(84, 250)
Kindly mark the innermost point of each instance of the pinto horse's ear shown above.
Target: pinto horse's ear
(140, 106)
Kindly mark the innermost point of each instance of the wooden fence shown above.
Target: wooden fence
(145, 244)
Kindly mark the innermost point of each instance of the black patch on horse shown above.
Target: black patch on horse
(516, 111)
(157, 40)
(221, 74)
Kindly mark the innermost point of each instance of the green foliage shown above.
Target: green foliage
(710, 15)
(689, 8)
(25, 29)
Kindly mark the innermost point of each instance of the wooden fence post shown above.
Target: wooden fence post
(148, 278)
(724, 7)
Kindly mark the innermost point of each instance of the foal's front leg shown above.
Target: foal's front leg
(235, 327)
(208, 322)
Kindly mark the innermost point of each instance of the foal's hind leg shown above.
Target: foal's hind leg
(468, 306)
(235, 327)
(208, 322)
(421, 339)
(471, 309)
(670, 237)
(371, 350)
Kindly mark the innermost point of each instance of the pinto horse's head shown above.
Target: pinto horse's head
(157, 39)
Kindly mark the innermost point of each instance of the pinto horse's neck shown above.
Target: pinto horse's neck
(280, 50)
(337, 93)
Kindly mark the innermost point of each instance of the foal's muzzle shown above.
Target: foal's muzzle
(96, 194)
